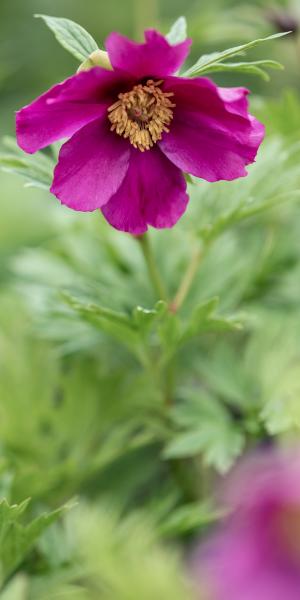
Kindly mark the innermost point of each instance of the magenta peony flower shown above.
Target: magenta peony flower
(134, 131)
(256, 556)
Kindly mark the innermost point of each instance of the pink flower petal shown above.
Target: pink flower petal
(235, 99)
(152, 193)
(254, 554)
(155, 58)
(91, 167)
(66, 107)
(212, 136)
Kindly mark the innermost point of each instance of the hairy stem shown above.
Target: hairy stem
(154, 275)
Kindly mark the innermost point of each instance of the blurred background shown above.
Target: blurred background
(78, 417)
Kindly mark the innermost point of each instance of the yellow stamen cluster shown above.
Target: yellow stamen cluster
(142, 115)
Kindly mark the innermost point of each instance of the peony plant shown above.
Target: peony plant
(134, 133)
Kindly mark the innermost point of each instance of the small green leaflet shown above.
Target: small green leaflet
(178, 31)
(16, 539)
(37, 169)
(71, 36)
(135, 330)
(208, 62)
(254, 68)
(218, 443)
(189, 518)
(117, 324)
(207, 429)
(204, 319)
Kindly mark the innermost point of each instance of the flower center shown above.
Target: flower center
(142, 115)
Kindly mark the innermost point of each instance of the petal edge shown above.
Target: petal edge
(153, 58)
(152, 193)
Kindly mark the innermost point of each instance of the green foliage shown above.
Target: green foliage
(205, 427)
(261, 191)
(84, 309)
(190, 518)
(121, 399)
(127, 355)
(157, 326)
(279, 375)
(124, 556)
(281, 115)
(16, 539)
(112, 558)
(71, 36)
(212, 62)
(203, 319)
(254, 67)
(47, 446)
(37, 169)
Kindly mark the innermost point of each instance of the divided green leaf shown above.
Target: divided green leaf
(208, 62)
(117, 324)
(189, 518)
(16, 539)
(254, 68)
(205, 428)
(203, 319)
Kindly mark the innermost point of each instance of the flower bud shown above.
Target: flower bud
(98, 58)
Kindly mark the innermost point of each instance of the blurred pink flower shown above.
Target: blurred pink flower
(134, 131)
(256, 554)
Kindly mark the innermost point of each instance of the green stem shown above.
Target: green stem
(187, 280)
(169, 384)
(154, 275)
